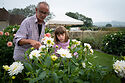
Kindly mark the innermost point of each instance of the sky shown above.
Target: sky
(98, 10)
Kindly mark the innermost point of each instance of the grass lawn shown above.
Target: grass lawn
(104, 59)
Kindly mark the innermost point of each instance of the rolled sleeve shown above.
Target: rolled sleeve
(21, 33)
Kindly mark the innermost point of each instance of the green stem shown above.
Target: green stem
(11, 80)
(68, 66)
(40, 61)
(4, 75)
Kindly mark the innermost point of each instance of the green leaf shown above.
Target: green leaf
(80, 81)
(74, 62)
(28, 66)
(27, 79)
(48, 61)
(38, 71)
(55, 77)
(42, 75)
(34, 80)
(39, 65)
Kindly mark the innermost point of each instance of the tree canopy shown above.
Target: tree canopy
(87, 21)
(28, 11)
(108, 25)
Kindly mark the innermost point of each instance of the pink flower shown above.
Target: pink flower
(48, 35)
(76, 54)
(1, 32)
(9, 44)
(7, 33)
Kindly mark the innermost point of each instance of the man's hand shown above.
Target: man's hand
(34, 43)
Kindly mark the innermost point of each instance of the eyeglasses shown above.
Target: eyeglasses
(42, 12)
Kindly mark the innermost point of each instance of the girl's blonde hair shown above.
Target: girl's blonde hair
(60, 30)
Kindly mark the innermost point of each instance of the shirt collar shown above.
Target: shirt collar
(36, 20)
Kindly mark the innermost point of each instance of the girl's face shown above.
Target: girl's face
(61, 37)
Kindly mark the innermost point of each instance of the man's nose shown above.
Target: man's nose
(61, 36)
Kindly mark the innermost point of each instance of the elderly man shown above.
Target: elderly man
(31, 31)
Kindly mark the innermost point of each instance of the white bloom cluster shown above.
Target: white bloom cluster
(15, 68)
(88, 46)
(42, 47)
(48, 41)
(35, 53)
(64, 53)
(119, 67)
(76, 42)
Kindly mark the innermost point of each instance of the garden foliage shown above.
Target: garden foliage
(43, 66)
(114, 43)
(6, 44)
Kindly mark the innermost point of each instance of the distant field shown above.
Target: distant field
(113, 29)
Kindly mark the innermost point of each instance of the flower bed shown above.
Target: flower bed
(44, 66)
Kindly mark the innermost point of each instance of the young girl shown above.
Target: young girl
(61, 38)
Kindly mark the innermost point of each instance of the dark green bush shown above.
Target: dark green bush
(6, 51)
(89, 28)
(114, 43)
(94, 39)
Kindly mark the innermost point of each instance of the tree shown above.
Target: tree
(108, 25)
(28, 11)
(87, 21)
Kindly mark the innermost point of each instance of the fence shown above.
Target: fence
(83, 34)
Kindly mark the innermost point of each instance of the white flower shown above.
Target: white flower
(76, 42)
(107, 43)
(15, 68)
(35, 53)
(115, 34)
(84, 49)
(83, 65)
(87, 45)
(48, 41)
(42, 47)
(13, 29)
(119, 67)
(91, 51)
(64, 53)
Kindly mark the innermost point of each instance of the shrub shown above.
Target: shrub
(114, 43)
(95, 39)
(7, 46)
(89, 28)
